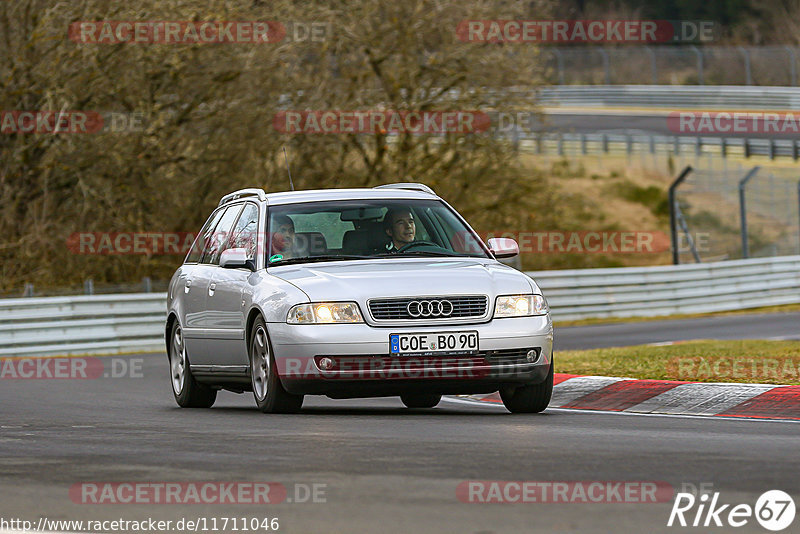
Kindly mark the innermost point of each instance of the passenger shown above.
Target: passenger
(400, 227)
(283, 238)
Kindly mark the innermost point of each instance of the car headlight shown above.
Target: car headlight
(325, 313)
(520, 306)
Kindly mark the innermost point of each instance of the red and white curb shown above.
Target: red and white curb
(763, 401)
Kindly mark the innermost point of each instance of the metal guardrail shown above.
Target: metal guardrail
(674, 289)
(82, 324)
(596, 143)
(672, 96)
(134, 322)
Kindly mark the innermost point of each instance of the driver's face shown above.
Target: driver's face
(403, 229)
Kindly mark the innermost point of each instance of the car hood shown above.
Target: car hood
(365, 279)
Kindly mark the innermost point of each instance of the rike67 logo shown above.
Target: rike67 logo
(774, 510)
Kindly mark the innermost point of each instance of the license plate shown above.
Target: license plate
(452, 343)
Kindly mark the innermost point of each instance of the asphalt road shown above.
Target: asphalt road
(745, 326)
(384, 468)
(379, 466)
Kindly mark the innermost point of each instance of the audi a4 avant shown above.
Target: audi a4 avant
(353, 293)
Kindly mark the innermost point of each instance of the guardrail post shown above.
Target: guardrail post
(583, 144)
(794, 150)
(747, 75)
(148, 284)
(28, 290)
(743, 209)
(677, 145)
(652, 144)
(605, 143)
(798, 212)
(88, 286)
(723, 146)
(772, 148)
(673, 225)
(746, 145)
(629, 144)
(560, 144)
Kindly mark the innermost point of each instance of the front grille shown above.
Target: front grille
(397, 309)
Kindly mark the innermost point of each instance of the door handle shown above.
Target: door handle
(211, 289)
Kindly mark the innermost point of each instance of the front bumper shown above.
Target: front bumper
(364, 366)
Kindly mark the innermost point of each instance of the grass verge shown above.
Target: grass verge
(747, 361)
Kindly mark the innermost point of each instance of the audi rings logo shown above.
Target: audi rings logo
(429, 308)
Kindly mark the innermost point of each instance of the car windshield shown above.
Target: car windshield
(365, 229)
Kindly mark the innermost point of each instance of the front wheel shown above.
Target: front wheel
(267, 389)
(187, 391)
(420, 400)
(532, 398)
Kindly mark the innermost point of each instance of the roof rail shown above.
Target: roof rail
(252, 192)
(412, 186)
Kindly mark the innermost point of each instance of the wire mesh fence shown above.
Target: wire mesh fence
(737, 212)
(673, 65)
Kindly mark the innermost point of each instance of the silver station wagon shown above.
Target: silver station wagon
(354, 293)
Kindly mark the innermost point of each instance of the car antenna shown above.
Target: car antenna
(291, 184)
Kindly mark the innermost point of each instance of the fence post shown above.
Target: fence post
(88, 286)
(148, 284)
(699, 55)
(743, 209)
(673, 226)
(747, 75)
(792, 65)
(653, 64)
(560, 63)
(606, 66)
(28, 290)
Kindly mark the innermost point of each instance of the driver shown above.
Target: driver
(400, 227)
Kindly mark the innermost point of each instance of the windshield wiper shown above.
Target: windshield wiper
(324, 257)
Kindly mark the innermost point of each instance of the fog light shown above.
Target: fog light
(532, 356)
(326, 364)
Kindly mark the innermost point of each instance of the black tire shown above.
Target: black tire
(532, 398)
(187, 391)
(420, 400)
(263, 372)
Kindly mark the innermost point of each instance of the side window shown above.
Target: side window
(244, 233)
(196, 252)
(219, 237)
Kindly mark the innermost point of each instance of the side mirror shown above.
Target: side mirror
(503, 247)
(236, 258)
